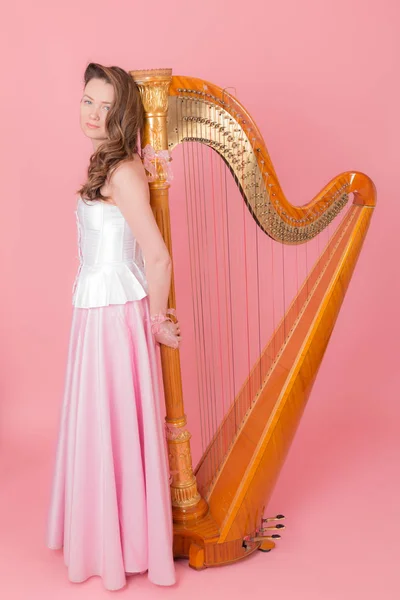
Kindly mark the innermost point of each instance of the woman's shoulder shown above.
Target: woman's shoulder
(128, 180)
(127, 169)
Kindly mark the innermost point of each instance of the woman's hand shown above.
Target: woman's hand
(168, 334)
(166, 331)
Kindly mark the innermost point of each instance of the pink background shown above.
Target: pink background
(321, 80)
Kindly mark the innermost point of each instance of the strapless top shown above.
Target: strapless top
(111, 269)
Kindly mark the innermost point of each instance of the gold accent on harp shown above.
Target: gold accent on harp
(218, 519)
(186, 501)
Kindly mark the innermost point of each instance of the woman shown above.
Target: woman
(110, 507)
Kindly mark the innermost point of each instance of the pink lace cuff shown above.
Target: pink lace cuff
(159, 318)
(150, 160)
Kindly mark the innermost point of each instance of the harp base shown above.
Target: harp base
(204, 551)
(195, 512)
(196, 557)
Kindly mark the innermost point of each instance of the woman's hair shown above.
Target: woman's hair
(123, 123)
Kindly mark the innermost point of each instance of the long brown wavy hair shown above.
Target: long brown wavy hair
(123, 123)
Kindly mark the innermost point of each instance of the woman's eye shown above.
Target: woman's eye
(86, 100)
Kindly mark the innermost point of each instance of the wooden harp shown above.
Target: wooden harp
(218, 507)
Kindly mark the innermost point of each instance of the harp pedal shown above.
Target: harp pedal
(268, 541)
(272, 519)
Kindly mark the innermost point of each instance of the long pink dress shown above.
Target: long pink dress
(110, 507)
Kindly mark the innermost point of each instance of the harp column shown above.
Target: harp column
(187, 503)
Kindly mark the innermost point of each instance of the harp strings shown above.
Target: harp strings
(217, 184)
(216, 400)
(196, 298)
(206, 262)
(207, 316)
(215, 317)
(231, 332)
(256, 187)
(240, 329)
(227, 362)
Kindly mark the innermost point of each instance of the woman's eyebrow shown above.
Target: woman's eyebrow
(103, 102)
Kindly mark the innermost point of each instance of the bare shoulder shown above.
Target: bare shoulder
(128, 172)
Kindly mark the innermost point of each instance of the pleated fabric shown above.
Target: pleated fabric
(110, 507)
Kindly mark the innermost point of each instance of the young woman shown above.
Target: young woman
(110, 506)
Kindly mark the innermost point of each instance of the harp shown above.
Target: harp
(218, 506)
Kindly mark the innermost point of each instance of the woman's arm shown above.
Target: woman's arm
(130, 192)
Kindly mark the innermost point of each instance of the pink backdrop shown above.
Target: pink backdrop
(320, 78)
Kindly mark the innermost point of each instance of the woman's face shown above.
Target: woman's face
(96, 101)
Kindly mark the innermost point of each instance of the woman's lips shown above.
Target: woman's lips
(92, 126)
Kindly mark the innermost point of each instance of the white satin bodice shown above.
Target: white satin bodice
(111, 269)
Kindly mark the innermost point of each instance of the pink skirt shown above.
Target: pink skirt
(110, 507)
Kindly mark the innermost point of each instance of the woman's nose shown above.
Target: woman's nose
(94, 113)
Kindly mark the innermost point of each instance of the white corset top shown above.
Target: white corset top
(111, 269)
